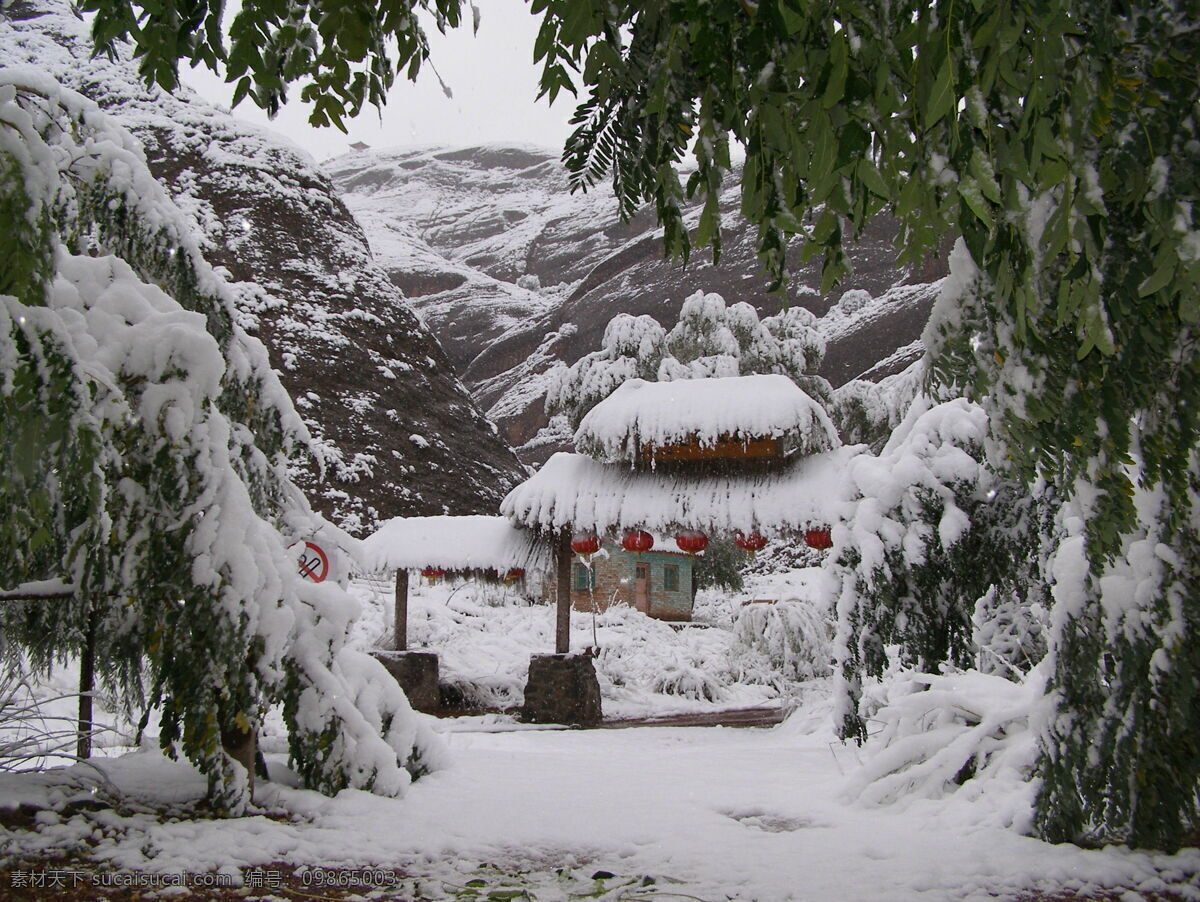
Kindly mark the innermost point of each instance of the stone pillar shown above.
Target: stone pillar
(562, 689)
(417, 674)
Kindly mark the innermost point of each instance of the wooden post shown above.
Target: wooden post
(87, 684)
(400, 615)
(562, 625)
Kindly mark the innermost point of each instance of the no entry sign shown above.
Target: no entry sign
(312, 561)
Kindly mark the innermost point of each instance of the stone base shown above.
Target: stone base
(562, 689)
(417, 674)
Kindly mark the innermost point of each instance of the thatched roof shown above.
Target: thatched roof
(640, 417)
(574, 491)
(455, 544)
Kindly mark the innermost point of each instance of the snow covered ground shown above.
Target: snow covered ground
(484, 636)
(700, 813)
(711, 813)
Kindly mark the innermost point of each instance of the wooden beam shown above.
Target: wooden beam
(400, 614)
(562, 623)
(725, 448)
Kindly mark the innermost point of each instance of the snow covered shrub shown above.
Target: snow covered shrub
(640, 655)
(709, 340)
(632, 349)
(937, 732)
(688, 681)
(932, 531)
(868, 412)
(795, 636)
(30, 735)
(853, 301)
(145, 466)
(1009, 632)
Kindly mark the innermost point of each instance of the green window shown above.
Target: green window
(671, 578)
(584, 578)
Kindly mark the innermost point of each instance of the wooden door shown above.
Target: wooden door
(641, 588)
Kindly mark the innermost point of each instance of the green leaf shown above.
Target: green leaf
(941, 96)
(969, 191)
(835, 88)
(1159, 279)
(984, 175)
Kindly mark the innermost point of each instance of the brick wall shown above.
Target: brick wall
(615, 582)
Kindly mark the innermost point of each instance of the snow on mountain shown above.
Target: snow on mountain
(399, 434)
(517, 276)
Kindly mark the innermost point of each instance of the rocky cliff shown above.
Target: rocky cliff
(395, 430)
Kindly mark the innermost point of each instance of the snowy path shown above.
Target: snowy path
(731, 813)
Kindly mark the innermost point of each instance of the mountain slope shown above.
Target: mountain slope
(397, 431)
(518, 276)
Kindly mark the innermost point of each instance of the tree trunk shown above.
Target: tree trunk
(87, 684)
(242, 747)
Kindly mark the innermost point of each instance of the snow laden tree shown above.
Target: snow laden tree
(145, 454)
(936, 557)
(1057, 137)
(710, 339)
(632, 349)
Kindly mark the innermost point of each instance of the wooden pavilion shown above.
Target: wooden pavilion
(749, 456)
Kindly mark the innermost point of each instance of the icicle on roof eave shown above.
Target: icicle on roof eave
(577, 492)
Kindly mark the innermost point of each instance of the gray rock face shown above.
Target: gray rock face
(395, 429)
(516, 275)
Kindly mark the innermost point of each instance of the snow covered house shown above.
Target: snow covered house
(745, 456)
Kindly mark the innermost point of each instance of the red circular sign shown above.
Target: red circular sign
(313, 562)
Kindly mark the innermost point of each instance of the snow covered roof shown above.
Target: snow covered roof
(453, 543)
(704, 411)
(575, 490)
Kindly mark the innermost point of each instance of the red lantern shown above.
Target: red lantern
(433, 573)
(637, 540)
(513, 575)
(692, 541)
(585, 543)
(752, 542)
(818, 538)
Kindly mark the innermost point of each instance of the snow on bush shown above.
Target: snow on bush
(796, 636)
(853, 301)
(929, 532)
(1011, 636)
(484, 636)
(933, 734)
(868, 412)
(710, 340)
